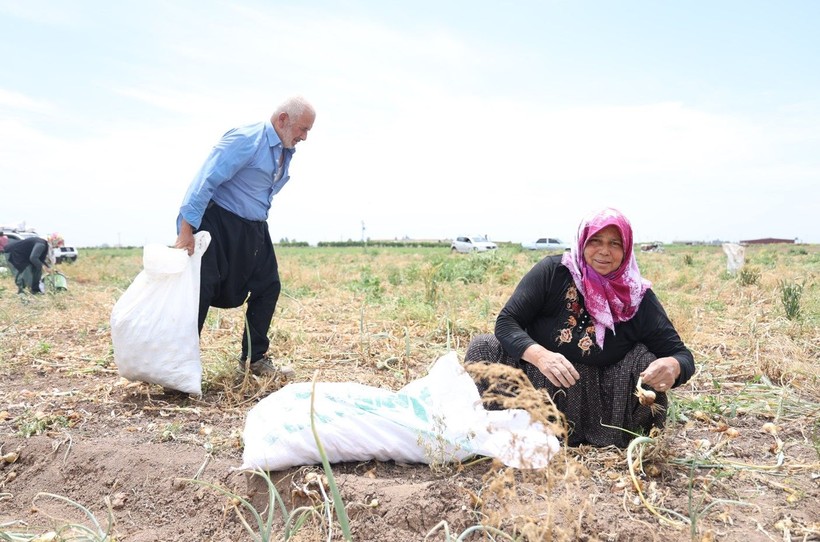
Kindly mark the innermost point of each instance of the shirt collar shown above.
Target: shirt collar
(273, 137)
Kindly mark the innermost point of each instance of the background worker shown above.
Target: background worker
(27, 258)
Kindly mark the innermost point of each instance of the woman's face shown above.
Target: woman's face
(604, 251)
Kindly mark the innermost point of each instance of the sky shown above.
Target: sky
(700, 120)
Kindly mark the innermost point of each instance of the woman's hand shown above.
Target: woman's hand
(554, 366)
(661, 373)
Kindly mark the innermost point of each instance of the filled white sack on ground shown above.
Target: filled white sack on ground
(154, 323)
(437, 418)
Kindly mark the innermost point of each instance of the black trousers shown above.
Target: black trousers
(28, 277)
(239, 265)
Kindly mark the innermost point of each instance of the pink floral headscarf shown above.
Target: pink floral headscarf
(608, 298)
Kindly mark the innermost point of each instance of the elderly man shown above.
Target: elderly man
(230, 198)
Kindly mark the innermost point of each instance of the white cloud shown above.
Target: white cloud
(43, 12)
(17, 101)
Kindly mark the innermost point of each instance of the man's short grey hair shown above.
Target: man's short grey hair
(295, 107)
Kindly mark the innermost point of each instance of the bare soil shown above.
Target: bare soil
(113, 450)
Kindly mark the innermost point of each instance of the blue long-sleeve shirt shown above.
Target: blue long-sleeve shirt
(239, 175)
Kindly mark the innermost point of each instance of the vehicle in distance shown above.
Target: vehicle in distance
(472, 243)
(61, 254)
(65, 254)
(546, 243)
(15, 235)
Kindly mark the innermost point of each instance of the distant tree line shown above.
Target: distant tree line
(385, 243)
(285, 242)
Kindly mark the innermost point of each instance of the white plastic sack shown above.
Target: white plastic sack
(154, 323)
(735, 257)
(433, 419)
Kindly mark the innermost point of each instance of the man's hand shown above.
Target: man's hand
(554, 366)
(661, 373)
(185, 239)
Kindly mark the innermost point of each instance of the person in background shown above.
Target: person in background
(27, 258)
(585, 326)
(230, 198)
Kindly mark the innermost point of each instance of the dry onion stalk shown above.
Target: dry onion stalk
(647, 397)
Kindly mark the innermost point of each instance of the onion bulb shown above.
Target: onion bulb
(645, 397)
(769, 428)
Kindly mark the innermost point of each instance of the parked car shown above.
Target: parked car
(472, 243)
(61, 254)
(654, 246)
(17, 235)
(546, 243)
(65, 254)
